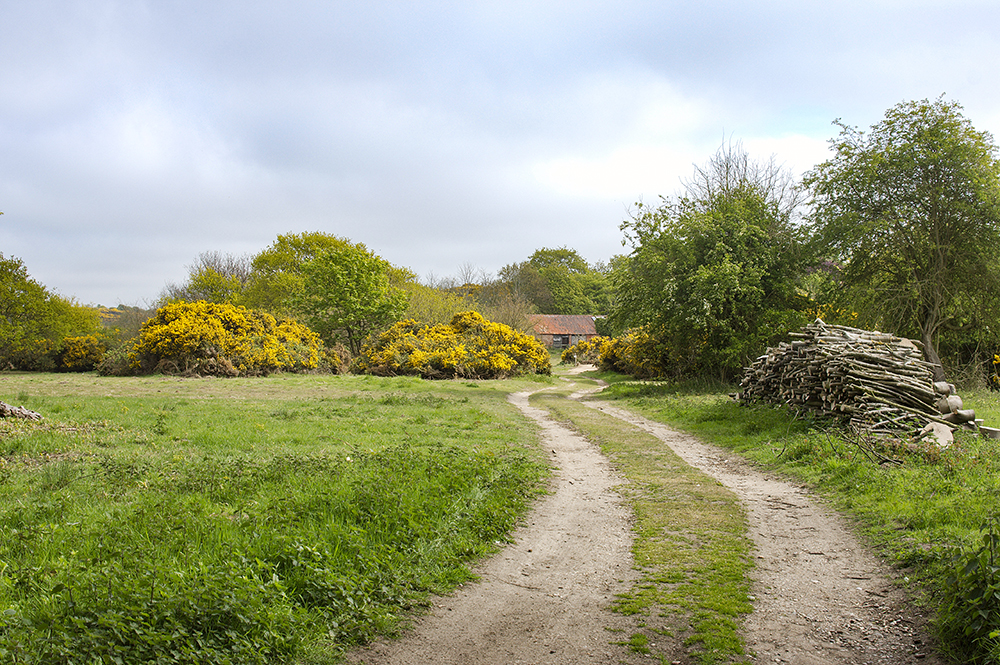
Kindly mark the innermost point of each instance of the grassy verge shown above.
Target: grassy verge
(921, 507)
(245, 521)
(690, 543)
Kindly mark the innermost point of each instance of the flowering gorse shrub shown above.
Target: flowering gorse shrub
(468, 347)
(585, 351)
(635, 352)
(223, 340)
(80, 354)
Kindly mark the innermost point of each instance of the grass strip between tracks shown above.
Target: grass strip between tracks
(690, 544)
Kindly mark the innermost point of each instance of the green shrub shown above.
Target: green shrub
(30, 355)
(971, 610)
(117, 361)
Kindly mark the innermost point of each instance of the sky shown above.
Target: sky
(136, 135)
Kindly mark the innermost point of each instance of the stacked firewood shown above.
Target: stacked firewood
(877, 382)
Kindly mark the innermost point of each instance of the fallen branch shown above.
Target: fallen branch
(9, 411)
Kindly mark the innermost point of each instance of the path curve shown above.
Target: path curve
(820, 598)
(545, 598)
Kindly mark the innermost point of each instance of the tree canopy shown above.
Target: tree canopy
(712, 276)
(911, 211)
(559, 281)
(277, 272)
(33, 321)
(269, 280)
(347, 294)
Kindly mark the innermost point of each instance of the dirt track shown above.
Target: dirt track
(819, 598)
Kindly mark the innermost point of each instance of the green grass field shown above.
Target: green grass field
(285, 519)
(243, 521)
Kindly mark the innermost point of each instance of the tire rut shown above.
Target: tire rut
(545, 598)
(820, 597)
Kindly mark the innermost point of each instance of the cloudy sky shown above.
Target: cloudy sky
(136, 135)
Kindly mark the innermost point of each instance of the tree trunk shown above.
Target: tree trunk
(931, 354)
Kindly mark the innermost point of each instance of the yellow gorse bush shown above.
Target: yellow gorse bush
(635, 352)
(81, 354)
(469, 347)
(585, 351)
(224, 340)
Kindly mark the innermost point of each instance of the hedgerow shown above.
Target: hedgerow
(468, 347)
(203, 338)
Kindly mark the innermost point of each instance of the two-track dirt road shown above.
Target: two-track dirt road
(819, 597)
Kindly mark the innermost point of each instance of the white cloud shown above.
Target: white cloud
(136, 136)
(650, 136)
(794, 152)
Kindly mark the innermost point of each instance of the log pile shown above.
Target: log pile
(877, 382)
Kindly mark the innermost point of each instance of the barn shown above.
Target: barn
(562, 330)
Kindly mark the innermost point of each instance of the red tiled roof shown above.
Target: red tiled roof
(563, 324)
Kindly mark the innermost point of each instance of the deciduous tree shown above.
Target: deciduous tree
(559, 281)
(912, 211)
(278, 272)
(347, 294)
(712, 275)
(34, 321)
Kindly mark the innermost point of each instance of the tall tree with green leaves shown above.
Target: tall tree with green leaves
(347, 294)
(713, 275)
(278, 272)
(559, 281)
(276, 275)
(911, 209)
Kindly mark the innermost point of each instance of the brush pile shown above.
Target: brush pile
(877, 382)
